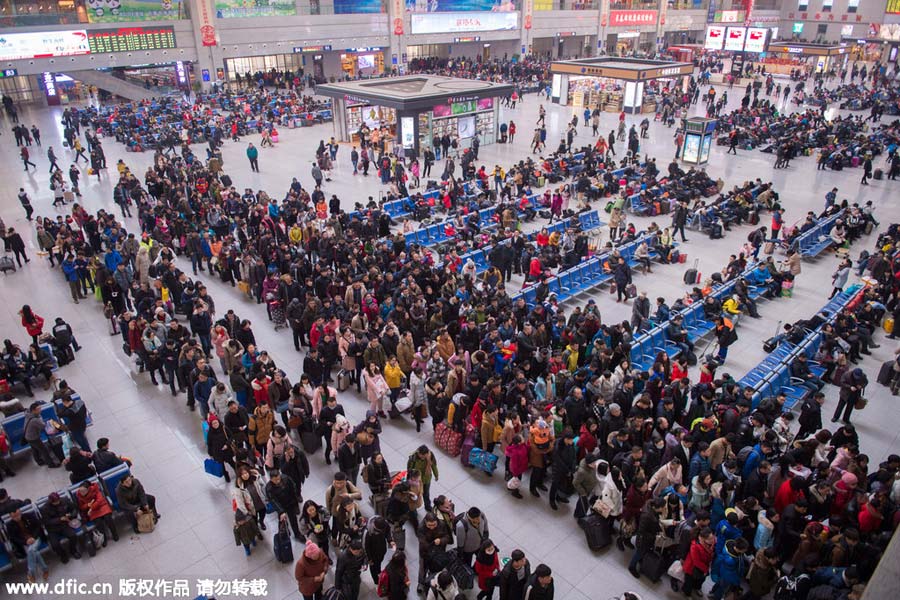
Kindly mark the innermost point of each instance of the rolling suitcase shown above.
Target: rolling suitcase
(281, 543)
(379, 503)
(653, 565)
(886, 373)
(310, 441)
(226, 181)
(596, 530)
(631, 290)
(692, 275)
(878, 174)
(888, 325)
(343, 380)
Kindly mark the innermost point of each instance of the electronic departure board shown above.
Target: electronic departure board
(130, 39)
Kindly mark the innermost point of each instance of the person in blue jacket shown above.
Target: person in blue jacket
(70, 269)
(729, 567)
(727, 529)
(756, 456)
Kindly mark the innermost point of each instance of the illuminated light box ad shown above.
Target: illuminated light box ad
(463, 22)
(43, 44)
(715, 37)
(756, 39)
(734, 39)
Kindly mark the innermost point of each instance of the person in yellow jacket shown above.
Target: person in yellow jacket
(731, 308)
(393, 376)
(295, 234)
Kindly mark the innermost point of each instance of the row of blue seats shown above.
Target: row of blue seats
(812, 243)
(647, 345)
(587, 275)
(773, 375)
(14, 425)
(437, 233)
(108, 480)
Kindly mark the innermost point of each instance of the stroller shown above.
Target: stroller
(276, 312)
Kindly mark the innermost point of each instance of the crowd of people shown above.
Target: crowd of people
(681, 470)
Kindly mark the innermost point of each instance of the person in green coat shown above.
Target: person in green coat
(424, 461)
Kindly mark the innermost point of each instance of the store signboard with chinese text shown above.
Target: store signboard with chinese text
(630, 18)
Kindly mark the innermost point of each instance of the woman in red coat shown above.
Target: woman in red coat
(33, 323)
(698, 560)
(487, 567)
(637, 495)
(93, 506)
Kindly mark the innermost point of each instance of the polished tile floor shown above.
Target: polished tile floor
(194, 538)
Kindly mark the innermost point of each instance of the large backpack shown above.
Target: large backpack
(792, 587)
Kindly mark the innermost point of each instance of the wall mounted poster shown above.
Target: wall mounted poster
(123, 11)
(231, 9)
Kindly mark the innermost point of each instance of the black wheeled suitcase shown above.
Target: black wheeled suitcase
(311, 441)
(886, 373)
(596, 530)
(653, 565)
(692, 275)
(226, 181)
(281, 544)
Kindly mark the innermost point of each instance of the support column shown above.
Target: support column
(206, 39)
(339, 109)
(602, 24)
(397, 23)
(525, 35)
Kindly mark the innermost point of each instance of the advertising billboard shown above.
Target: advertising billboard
(421, 6)
(43, 44)
(234, 9)
(462, 22)
(715, 37)
(691, 152)
(350, 7)
(756, 39)
(123, 11)
(734, 38)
